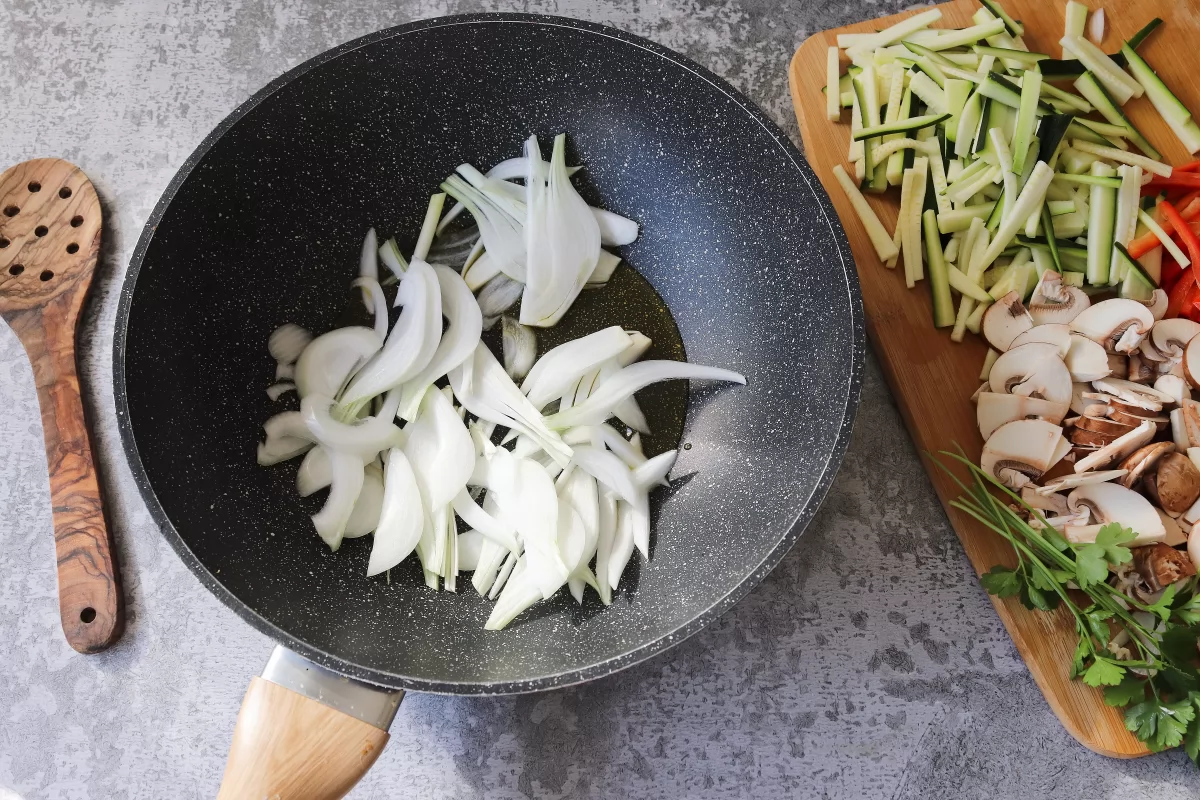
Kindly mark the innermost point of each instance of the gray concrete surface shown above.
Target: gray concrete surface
(870, 664)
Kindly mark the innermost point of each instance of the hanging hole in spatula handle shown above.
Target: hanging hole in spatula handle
(49, 245)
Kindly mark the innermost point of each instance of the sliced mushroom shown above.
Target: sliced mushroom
(1081, 403)
(1157, 304)
(1174, 484)
(1118, 450)
(1140, 461)
(1171, 336)
(1106, 426)
(1005, 320)
(1194, 454)
(1161, 565)
(1174, 386)
(1056, 334)
(1021, 450)
(1193, 548)
(1118, 324)
(1133, 393)
(1137, 370)
(1149, 352)
(1176, 534)
(1191, 362)
(1072, 481)
(1087, 438)
(1111, 502)
(995, 409)
(1085, 360)
(1053, 303)
(1179, 433)
(1032, 370)
(1035, 498)
(1160, 423)
(1187, 518)
(1190, 416)
(983, 387)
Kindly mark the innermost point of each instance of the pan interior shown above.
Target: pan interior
(264, 226)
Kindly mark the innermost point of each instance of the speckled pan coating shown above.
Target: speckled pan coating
(263, 224)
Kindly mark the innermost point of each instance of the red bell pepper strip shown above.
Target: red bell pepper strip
(1171, 272)
(1148, 241)
(1191, 166)
(1184, 180)
(1184, 232)
(1182, 295)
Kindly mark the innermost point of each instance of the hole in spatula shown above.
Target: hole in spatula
(40, 231)
(76, 221)
(16, 269)
(11, 211)
(64, 192)
(46, 275)
(4, 242)
(34, 186)
(87, 615)
(72, 248)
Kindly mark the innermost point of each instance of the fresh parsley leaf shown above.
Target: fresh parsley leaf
(1131, 689)
(1092, 560)
(1191, 740)
(1103, 672)
(1040, 580)
(1162, 608)
(1180, 681)
(1096, 619)
(1178, 645)
(1002, 582)
(1082, 651)
(1189, 611)
(1034, 598)
(1160, 725)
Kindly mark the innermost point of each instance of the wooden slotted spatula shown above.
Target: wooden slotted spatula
(49, 242)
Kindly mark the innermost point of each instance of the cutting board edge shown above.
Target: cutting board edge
(1015, 618)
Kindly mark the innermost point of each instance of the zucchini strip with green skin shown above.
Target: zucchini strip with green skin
(875, 231)
(939, 281)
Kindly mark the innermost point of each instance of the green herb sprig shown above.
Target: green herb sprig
(1159, 687)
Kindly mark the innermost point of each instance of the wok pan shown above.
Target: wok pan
(263, 224)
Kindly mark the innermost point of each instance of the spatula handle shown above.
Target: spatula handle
(88, 592)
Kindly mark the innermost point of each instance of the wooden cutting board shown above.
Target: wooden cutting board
(933, 378)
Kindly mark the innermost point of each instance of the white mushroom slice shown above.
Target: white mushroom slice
(1054, 303)
(1171, 336)
(1072, 481)
(1085, 360)
(1174, 386)
(983, 387)
(1176, 533)
(1020, 451)
(1095, 406)
(1149, 352)
(1116, 451)
(1058, 334)
(1111, 502)
(1118, 364)
(1033, 370)
(1190, 416)
(1086, 534)
(1194, 454)
(1005, 320)
(1179, 433)
(1134, 393)
(1139, 370)
(1191, 362)
(1061, 450)
(1194, 547)
(1157, 304)
(1118, 324)
(1035, 498)
(995, 409)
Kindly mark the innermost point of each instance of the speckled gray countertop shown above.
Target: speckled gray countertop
(870, 664)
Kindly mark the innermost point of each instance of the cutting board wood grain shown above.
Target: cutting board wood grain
(933, 378)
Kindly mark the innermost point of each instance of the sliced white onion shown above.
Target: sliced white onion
(495, 529)
(287, 342)
(563, 366)
(411, 344)
(368, 268)
(278, 390)
(331, 358)
(440, 450)
(470, 546)
(457, 343)
(622, 545)
(629, 380)
(373, 295)
(348, 476)
(609, 470)
(615, 230)
(315, 472)
(402, 517)
(365, 516)
(519, 344)
(364, 439)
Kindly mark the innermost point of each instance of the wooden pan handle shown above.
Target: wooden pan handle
(289, 747)
(89, 595)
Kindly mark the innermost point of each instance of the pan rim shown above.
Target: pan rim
(565, 678)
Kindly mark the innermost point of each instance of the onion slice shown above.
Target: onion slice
(563, 366)
(332, 519)
(631, 379)
(402, 516)
(368, 267)
(331, 358)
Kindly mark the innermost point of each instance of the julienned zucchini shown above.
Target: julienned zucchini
(1099, 97)
(1102, 221)
(901, 126)
(939, 280)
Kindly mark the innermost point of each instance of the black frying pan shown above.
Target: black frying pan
(263, 225)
